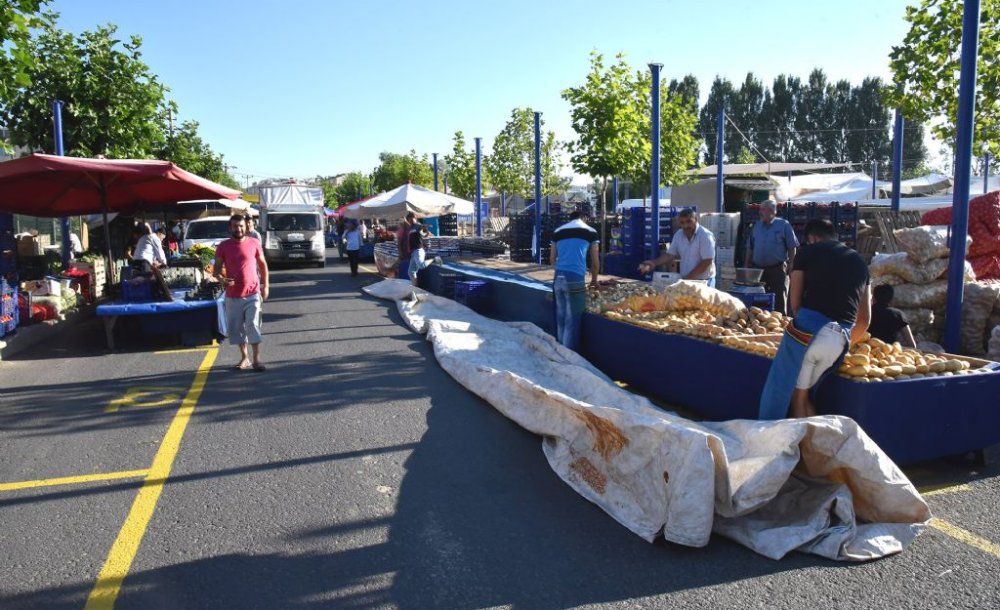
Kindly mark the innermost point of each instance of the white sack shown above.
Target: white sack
(655, 472)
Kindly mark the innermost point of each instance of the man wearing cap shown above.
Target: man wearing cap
(772, 248)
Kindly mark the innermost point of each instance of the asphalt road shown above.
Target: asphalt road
(355, 473)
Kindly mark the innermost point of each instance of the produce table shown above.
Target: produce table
(911, 420)
(177, 316)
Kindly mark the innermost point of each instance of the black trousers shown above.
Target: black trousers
(775, 280)
(352, 258)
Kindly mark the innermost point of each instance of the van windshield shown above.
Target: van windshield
(293, 222)
(208, 230)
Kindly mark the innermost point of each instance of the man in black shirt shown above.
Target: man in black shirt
(831, 302)
(888, 322)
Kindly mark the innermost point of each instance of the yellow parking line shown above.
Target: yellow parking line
(967, 537)
(940, 490)
(368, 269)
(188, 350)
(126, 545)
(83, 478)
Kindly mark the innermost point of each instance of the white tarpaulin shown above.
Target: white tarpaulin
(409, 198)
(274, 195)
(818, 485)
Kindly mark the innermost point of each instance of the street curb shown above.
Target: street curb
(33, 334)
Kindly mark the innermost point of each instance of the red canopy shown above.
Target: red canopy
(52, 186)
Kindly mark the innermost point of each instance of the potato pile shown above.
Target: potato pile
(700, 324)
(756, 321)
(874, 360)
(687, 296)
(761, 347)
(610, 294)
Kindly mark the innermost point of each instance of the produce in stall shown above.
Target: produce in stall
(761, 347)
(984, 229)
(874, 360)
(610, 293)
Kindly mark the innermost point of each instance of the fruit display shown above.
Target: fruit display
(872, 360)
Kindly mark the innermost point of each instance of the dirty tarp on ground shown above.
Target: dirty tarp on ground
(818, 485)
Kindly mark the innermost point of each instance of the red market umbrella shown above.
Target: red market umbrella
(54, 186)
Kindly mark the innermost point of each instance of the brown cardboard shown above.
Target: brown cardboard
(32, 245)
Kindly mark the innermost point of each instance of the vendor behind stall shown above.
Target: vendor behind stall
(772, 248)
(888, 322)
(148, 247)
(830, 297)
(694, 245)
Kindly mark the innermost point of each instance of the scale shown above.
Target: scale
(748, 287)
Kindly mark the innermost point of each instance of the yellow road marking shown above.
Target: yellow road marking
(126, 545)
(967, 537)
(188, 350)
(368, 269)
(145, 398)
(83, 478)
(940, 490)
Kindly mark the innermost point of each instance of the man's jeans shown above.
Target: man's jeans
(571, 301)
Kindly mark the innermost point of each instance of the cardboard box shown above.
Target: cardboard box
(32, 245)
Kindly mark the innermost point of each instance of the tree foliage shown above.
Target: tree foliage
(17, 20)
(461, 165)
(353, 186)
(678, 122)
(396, 169)
(926, 66)
(187, 149)
(114, 104)
(511, 166)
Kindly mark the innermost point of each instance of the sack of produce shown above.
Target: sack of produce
(932, 295)
(984, 223)
(993, 352)
(901, 265)
(920, 319)
(924, 243)
(687, 295)
(986, 267)
(977, 307)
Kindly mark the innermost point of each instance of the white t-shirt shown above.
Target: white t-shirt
(149, 248)
(693, 251)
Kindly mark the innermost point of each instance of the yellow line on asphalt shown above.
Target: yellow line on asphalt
(189, 350)
(368, 269)
(126, 545)
(83, 478)
(940, 490)
(967, 537)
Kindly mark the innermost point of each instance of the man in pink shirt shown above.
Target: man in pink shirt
(240, 266)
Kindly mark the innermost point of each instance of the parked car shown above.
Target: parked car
(206, 232)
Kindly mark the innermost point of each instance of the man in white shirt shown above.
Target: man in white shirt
(694, 245)
(149, 248)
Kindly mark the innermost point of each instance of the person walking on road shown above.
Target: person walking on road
(240, 266)
(352, 242)
(573, 245)
(772, 248)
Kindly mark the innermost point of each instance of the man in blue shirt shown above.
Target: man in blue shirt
(573, 244)
(772, 248)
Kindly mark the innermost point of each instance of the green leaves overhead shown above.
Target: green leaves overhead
(395, 170)
(17, 20)
(462, 168)
(511, 166)
(926, 66)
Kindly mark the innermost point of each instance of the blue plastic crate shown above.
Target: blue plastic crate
(8, 302)
(474, 294)
(135, 291)
(763, 301)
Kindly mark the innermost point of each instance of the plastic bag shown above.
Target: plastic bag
(932, 295)
(901, 265)
(687, 295)
(925, 243)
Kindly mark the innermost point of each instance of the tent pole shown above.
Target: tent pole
(112, 278)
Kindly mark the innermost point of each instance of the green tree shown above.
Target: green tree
(353, 186)
(461, 168)
(17, 20)
(395, 170)
(188, 150)
(511, 165)
(678, 142)
(779, 141)
(812, 116)
(114, 103)
(607, 115)
(925, 70)
(868, 136)
(721, 94)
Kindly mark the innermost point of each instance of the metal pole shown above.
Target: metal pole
(57, 136)
(503, 203)
(614, 194)
(435, 171)
(538, 187)
(874, 178)
(720, 143)
(897, 158)
(963, 163)
(479, 188)
(654, 169)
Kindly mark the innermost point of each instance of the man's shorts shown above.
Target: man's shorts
(824, 350)
(243, 319)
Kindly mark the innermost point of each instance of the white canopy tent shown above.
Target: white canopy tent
(396, 203)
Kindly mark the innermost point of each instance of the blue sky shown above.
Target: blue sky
(309, 87)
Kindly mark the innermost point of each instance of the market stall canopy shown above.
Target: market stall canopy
(745, 169)
(53, 186)
(924, 185)
(240, 204)
(396, 203)
(850, 187)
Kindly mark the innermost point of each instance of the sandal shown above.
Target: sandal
(242, 366)
(260, 368)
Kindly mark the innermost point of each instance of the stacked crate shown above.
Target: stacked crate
(448, 225)
(844, 217)
(97, 277)
(522, 231)
(8, 308)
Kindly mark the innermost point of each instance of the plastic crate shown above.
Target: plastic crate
(448, 280)
(474, 294)
(137, 291)
(763, 301)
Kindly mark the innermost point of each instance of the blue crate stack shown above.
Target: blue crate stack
(9, 313)
(474, 294)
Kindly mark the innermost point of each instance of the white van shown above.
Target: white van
(209, 231)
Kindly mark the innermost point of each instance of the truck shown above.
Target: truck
(292, 223)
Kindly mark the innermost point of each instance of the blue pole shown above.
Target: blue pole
(720, 143)
(986, 173)
(654, 169)
(435, 171)
(57, 136)
(614, 194)
(897, 158)
(538, 186)
(479, 188)
(963, 164)
(874, 179)
(503, 203)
